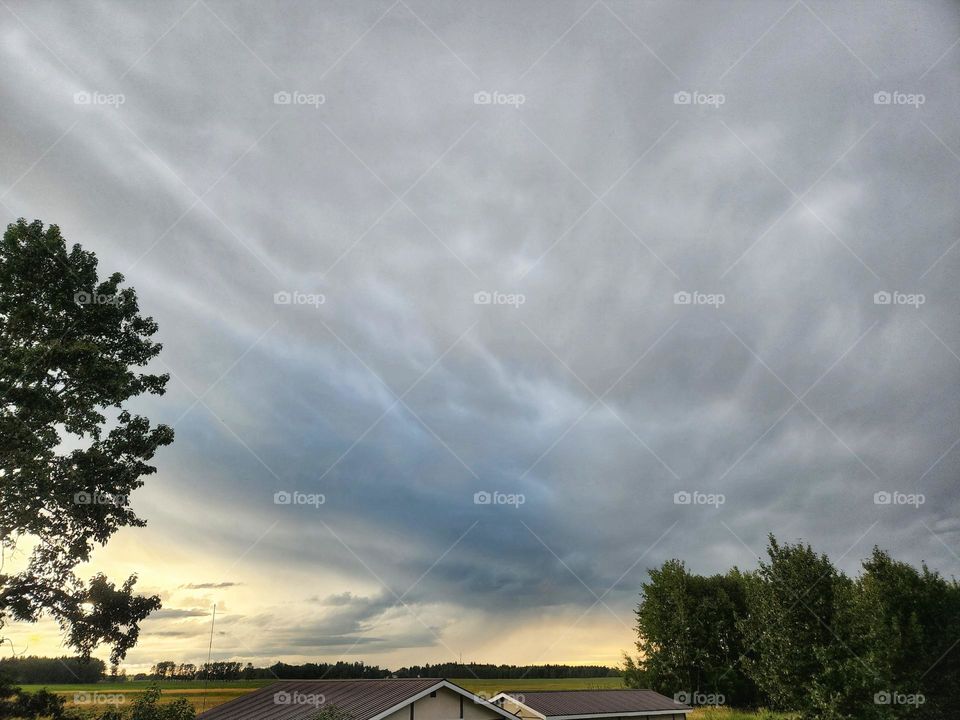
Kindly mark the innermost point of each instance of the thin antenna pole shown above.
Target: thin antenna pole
(206, 679)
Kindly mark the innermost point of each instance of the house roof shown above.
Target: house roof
(567, 704)
(359, 699)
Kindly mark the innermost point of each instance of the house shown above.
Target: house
(392, 699)
(590, 704)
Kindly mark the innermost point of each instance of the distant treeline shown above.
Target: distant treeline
(486, 671)
(32, 669)
(340, 670)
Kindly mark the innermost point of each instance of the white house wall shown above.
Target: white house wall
(445, 706)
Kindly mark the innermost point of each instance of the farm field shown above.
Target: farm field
(220, 692)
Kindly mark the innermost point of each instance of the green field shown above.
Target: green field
(729, 714)
(489, 687)
(220, 692)
(200, 696)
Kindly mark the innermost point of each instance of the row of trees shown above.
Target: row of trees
(220, 670)
(39, 670)
(169, 670)
(799, 635)
(486, 671)
(33, 669)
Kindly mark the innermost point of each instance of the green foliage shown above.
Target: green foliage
(149, 707)
(14, 703)
(791, 622)
(69, 347)
(898, 631)
(688, 634)
(330, 712)
(25, 670)
(805, 637)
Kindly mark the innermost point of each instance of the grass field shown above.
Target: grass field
(219, 692)
(216, 693)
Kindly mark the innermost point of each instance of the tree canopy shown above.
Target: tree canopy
(71, 452)
(799, 635)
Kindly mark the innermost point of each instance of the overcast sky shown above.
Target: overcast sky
(590, 166)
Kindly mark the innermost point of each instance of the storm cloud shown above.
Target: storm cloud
(474, 312)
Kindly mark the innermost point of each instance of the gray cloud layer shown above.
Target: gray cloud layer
(597, 199)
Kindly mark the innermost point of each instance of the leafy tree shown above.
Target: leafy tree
(70, 349)
(883, 646)
(688, 638)
(14, 703)
(898, 628)
(148, 707)
(163, 669)
(32, 669)
(792, 619)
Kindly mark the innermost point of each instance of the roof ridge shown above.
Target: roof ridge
(598, 689)
(421, 679)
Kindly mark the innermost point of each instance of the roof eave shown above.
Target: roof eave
(637, 713)
(508, 696)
